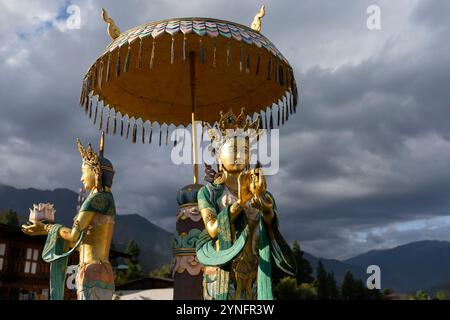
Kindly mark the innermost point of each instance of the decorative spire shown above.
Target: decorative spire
(113, 30)
(256, 24)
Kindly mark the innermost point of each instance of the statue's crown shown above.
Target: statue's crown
(230, 121)
(89, 156)
(231, 125)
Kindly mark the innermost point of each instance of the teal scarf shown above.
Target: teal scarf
(208, 256)
(54, 254)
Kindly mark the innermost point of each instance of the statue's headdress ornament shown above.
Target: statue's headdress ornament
(91, 158)
(231, 125)
(88, 155)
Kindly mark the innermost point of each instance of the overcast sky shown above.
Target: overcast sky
(364, 162)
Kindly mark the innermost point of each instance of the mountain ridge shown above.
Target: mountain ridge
(418, 265)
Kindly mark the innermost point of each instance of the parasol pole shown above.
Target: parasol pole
(194, 127)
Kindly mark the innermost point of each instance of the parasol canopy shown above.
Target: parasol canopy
(145, 72)
(183, 70)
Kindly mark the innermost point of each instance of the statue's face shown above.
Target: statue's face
(234, 155)
(87, 177)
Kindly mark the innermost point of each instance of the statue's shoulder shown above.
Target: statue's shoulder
(100, 202)
(211, 188)
(208, 194)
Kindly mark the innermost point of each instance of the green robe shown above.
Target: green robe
(270, 251)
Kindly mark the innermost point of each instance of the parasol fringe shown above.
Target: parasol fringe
(118, 64)
(275, 72)
(265, 120)
(278, 119)
(86, 105)
(89, 105)
(269, 69)
(167, 135)
(281, 75)
(143, 133)
(175, 142)
(202, 52)
(115, 124)
(128, 128)
(214, 53)
(94, 75)
(271, 119)
(260, 122)
(241, 57)
(287, 108)
(247, 65)
(82, 95)
(100, 125)
(291, 96)
(151, 133)
(152, 55)
(107, 121)
(292, 101)
(90, 110)
(184, 139)
(291, 107)
(108, 67)
(121, 126)
(257, 64)
(172, 51)
(184, 47)
(95, 112)
(160, 134)
(229, 53)
(139, 62)
(100, 82)
(134, 132)
(127, 60)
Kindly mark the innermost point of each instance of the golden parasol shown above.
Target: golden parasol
(178, 71)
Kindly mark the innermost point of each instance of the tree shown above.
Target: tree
(443, 295)
(323, 292)
(164, 272)
(304, 269)
(421, 295)
(9, 217)
(287, 289)
(333, 290)
(134, 270)
(353, 289)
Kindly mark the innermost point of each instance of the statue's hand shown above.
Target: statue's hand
(265, 204)
(35, 229)
(258, 183)
(244, 192)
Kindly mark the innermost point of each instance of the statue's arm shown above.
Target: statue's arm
(210, 220)
(81, 223)
(209, 214)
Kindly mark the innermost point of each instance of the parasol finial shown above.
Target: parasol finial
(113, 30)
(256, 24)
(102, 145)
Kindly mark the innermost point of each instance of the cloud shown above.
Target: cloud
(367, 150)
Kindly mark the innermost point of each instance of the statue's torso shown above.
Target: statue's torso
(245, 265)
(95, 276)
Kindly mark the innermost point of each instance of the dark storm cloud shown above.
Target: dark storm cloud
(367, 151)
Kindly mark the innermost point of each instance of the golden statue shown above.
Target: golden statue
(241, 236)
(91, 233)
